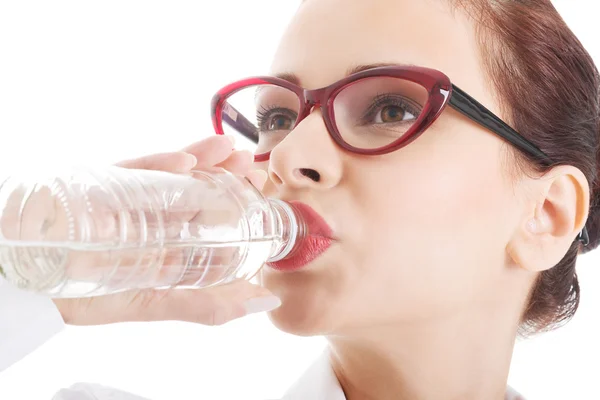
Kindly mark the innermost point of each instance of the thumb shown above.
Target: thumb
(210, 306)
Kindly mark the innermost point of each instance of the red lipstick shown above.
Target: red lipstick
(316, 240)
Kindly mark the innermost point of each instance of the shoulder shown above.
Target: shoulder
(27, 321)
(512, 394)
(89, 391)
(317, 383)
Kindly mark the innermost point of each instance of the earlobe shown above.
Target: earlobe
(552, 221)
(526, 248)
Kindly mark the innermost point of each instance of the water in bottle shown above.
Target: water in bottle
(92, 232)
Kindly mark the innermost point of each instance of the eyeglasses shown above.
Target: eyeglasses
(371, 112)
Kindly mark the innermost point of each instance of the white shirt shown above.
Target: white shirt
(28, 320)
(318, 383)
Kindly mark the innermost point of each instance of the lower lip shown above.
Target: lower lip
(311, 246)
(308, 250)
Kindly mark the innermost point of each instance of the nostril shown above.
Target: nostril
(275, 178)
(311, 174)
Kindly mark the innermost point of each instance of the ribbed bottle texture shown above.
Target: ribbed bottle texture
(92, 232)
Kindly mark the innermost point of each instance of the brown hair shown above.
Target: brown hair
(549, 86)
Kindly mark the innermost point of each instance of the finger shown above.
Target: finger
(212, 150)
(214, 306)
(209, 306)
(239, 162)
(258, 178)
(169, 162)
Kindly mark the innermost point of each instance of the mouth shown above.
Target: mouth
(318, 238)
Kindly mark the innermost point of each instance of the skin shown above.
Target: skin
(437, 245)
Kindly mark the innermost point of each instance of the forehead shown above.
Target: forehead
(326, 38)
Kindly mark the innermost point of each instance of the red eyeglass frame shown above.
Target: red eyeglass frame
(441, 93)
(436, 84)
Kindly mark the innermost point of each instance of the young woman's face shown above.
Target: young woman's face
(421, 232)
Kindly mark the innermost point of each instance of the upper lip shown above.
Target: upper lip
(315, 223)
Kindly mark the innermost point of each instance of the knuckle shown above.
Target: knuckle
(218, 316)
(147, 304)
(216, 311)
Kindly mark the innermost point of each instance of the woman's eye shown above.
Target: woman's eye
(280, 123)
(275, 119)
(391, 113)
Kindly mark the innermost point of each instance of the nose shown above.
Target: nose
(307, 158)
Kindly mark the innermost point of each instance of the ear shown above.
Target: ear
(553, 218)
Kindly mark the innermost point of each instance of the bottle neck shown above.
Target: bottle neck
(290, 227)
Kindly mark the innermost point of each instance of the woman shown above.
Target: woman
(444, 232)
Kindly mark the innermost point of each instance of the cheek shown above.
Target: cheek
(434, 203)
(425, 237)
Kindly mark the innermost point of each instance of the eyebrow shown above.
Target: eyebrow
(293, 78)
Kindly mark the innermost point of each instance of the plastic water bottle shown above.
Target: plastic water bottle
(93, 232)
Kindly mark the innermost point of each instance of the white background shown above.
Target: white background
(97, 82)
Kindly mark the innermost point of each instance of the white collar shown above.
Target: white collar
(318, 383)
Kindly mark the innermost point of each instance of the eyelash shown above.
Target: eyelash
(379, 100)
(264, 113)
(387, 99)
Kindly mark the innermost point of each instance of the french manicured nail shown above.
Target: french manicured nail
(249, 155)
(261, 304)
(190, 161)
(259, 177)
(231, 139)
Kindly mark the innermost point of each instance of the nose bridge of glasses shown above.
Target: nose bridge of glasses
(312, 99)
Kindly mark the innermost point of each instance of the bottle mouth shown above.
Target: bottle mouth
(292, 228)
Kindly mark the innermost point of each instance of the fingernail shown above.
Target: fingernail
(190, 161)
(261, 304)
(262, 176)
(249, 155)
(231, 139)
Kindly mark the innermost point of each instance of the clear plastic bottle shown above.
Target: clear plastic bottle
(93, 232)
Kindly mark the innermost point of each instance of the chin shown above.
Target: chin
(299, 320)
(307, 307)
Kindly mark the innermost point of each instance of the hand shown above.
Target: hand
(210, 306)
